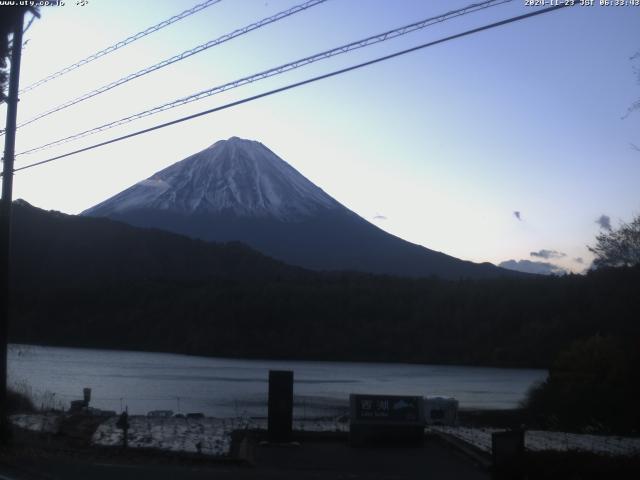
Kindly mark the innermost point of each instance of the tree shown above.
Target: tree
(591, 387)
(8, 16)
(636, 70)
(635, 106)
(618, 247)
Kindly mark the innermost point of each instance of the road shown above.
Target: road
(310, 460)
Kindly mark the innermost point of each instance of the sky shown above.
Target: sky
(440, 147)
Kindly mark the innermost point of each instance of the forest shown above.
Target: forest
(98, 283)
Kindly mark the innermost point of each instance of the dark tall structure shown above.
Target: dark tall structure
(280, 405)
(5, 214)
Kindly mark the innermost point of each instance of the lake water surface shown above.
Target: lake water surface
(231, 387)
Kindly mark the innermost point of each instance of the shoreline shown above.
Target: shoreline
(250, 358)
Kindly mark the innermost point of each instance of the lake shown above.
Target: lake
(222, 387)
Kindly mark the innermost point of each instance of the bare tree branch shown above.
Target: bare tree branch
(618, 247)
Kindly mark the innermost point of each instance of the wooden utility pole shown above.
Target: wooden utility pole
(5, 215)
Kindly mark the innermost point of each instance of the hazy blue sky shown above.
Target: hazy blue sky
(445, 143)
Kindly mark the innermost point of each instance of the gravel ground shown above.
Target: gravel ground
(212, 436)
(45, 423)
(208, 436)
(538, 441)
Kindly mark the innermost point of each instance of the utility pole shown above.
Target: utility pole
(5, 216)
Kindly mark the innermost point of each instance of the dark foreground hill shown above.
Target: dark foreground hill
(94, 282)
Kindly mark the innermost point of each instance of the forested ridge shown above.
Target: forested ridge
(97, 283)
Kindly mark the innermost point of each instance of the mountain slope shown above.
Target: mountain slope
(240, 190)
(237, 177)
(80, 252)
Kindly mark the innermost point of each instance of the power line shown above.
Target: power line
(179, 57)
(122, 43)
(301, 83)
(381, 37)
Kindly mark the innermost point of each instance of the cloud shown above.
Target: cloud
(527, 266)
(604, 221)
(579, 260)
(548, 254)
(517, 215)
(379, 217)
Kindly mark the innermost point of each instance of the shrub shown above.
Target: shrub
(592, 387)
(18, 402)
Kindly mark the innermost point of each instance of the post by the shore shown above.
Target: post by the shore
(280, 406)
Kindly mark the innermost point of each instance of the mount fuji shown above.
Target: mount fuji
(239, 190)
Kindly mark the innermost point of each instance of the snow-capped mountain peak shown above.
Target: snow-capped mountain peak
(237, 176)
(239, 190)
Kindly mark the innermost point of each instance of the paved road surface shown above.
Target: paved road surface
(311, 460)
